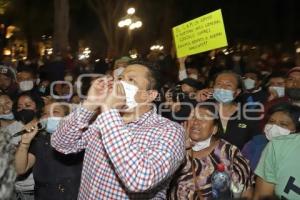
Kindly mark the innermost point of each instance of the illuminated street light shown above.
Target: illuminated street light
(121, 24)
(157, 48)
(138, 24)
(127, 22)
(49, 51)
(7, 52)
(132, 26)
(130, 20)
(134, 56)
(85, 54)
(131, 11)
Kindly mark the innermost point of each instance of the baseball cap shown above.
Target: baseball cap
(7, 71)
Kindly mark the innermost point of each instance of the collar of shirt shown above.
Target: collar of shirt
(145, 116)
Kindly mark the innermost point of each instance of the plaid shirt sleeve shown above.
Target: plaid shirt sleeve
(69, 136)
(139, 169)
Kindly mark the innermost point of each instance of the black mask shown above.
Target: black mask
(25, 115)
(293, 93)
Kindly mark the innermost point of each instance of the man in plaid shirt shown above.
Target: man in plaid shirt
(131, 155)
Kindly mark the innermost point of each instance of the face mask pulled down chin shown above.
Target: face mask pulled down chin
(273, 131)
(130, 92)
(26, 85)
(51, 123)
(202, 144)
(223, 95)
(293, 93)
(9, 116)
(25, 116)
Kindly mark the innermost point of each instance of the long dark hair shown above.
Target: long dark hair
(34, 97)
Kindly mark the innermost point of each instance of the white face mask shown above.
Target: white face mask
(279, 90)
(117, 72)
(273, 131)
(26, 85)
(130, 92)
(193, 76)
(249, 83)
(202, 144)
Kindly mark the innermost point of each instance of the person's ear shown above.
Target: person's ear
(152, 94)
(238, 92)
(259, 82)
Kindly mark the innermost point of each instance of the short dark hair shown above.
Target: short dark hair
(34, 97)
(276, 74)
(291, 110)
(253, 71)
(154, 73)
(237, 77)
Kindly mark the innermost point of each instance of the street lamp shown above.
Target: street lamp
(131, 11)
(130, 20)
(157, 48)
(85, 54)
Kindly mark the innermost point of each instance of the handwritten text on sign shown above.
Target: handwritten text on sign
(201, 34)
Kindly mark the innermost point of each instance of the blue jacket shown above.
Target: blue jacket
(253, 149)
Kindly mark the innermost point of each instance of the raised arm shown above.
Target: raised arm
(69, 136)
(182, 69)
(74, 132)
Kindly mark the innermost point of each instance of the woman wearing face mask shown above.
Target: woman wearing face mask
(8, 124)
(27, 108)
(56, 176)
(282, 119)
(278, 168)
(193, 179)
(6, 115)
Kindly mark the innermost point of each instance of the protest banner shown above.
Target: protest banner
(201, 34)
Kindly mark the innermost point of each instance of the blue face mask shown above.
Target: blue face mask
(51, 123)
(42, 89)
(9, 116)
(223, 96)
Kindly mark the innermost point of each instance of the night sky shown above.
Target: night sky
(261, 21)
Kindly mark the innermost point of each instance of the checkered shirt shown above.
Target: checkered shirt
(122, 161)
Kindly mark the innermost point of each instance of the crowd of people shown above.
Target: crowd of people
(151, 128)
